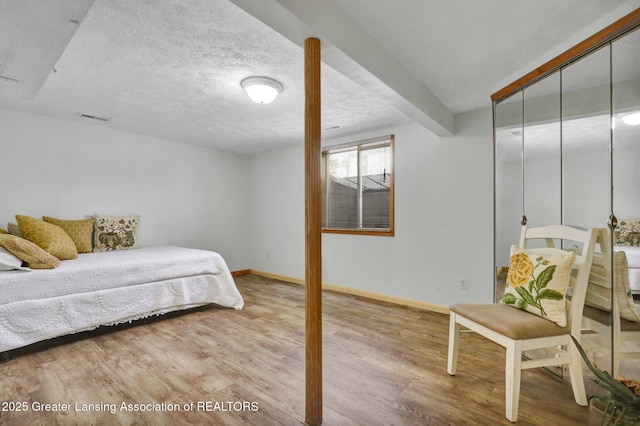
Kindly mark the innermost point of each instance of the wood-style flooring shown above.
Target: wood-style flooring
(383, 365)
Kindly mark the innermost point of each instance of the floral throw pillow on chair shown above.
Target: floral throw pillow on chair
(538, 280)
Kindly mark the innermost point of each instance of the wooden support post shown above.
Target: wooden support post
(313, 235)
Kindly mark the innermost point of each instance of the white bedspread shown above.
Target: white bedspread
(110, 288)
(101, 271)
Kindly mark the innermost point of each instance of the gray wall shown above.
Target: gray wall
(443, 218)
(186, 195)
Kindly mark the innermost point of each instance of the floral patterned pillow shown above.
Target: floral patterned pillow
(115, 232)
(537, 281)
(627, 233)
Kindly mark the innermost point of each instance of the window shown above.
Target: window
(358, 187)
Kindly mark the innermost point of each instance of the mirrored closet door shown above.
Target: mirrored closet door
(567, 151)
(625, 160)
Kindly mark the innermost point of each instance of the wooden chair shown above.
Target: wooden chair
(602, 312)
(518, 331)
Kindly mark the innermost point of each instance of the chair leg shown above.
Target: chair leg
(513, 373)
(454, 343)
(575, 374)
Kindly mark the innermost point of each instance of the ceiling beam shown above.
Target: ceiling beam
(33, 37)
(350, 50)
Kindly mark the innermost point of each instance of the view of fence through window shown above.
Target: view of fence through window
(359, 186)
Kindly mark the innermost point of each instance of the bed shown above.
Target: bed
(109, 288)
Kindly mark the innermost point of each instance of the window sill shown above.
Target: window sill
(362, 231)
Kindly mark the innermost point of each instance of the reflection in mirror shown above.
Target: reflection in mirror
(586, 136)
(626, 198)
(508, 122)
(542, 152)
(586, 177)
(567, 150)
(626, 112)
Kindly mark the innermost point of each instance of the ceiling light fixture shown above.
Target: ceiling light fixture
(632, 119)
(261, 90)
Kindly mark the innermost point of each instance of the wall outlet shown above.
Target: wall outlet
(268, 256)
(464, 283)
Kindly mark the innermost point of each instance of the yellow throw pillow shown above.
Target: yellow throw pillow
(29, 252)
(80, 231)
(537, 281)
(47, 236)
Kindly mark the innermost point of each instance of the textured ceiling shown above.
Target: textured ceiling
(172, 68)
(462, 50)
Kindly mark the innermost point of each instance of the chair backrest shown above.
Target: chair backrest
(601, 280)
(599, 287)
(565, 235)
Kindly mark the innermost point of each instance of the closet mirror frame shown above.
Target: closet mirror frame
(500, 102)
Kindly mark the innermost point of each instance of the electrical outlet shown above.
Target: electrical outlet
(464, 283)
(268, 256)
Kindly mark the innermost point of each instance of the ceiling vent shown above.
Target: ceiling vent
(332, 127)
(93, 117)
(12, 80)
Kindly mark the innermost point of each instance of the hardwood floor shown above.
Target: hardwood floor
(383, 365)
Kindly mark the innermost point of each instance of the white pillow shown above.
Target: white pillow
(9, 262)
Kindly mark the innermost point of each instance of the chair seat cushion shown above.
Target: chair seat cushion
(513, 323)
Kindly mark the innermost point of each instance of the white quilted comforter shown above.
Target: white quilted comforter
(110, 288)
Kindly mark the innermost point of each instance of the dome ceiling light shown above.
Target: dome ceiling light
(261, 90)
